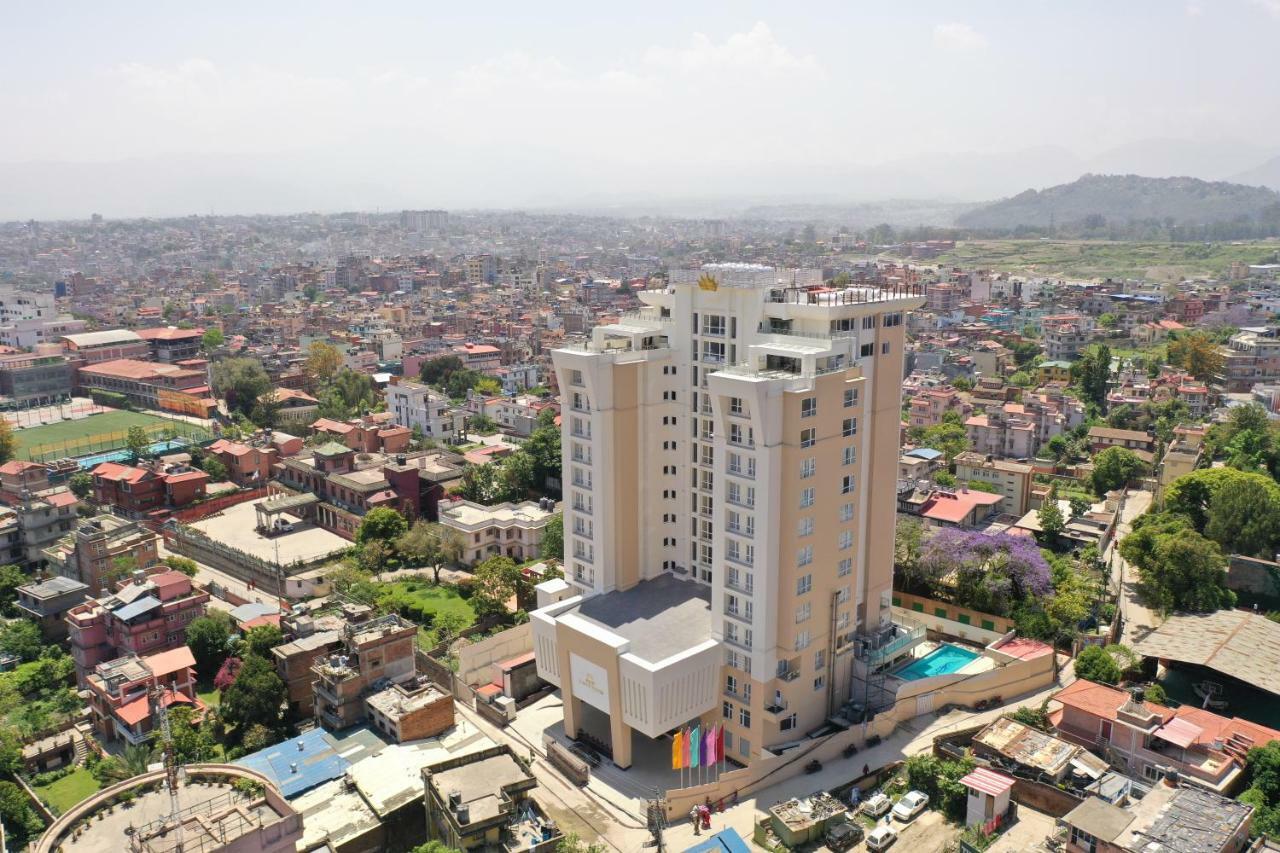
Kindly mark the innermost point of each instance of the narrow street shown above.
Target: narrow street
(1139, 621)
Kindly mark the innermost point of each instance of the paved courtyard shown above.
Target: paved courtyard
(237, 526)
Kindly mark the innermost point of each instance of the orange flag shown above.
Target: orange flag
(677, 751)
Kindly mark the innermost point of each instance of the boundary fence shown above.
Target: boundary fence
(104, 442)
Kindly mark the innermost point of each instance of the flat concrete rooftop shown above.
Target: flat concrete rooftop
(661, 617)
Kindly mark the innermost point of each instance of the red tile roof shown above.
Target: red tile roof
(945, 506)
(1101, 700)
(164, 663)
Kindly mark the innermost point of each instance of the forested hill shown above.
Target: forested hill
(1095, 200)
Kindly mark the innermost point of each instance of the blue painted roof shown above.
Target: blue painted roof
(725, 841)
(316, 763)
(924, 453)
(137, 608)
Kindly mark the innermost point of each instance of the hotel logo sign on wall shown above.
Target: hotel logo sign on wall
(590, 682)
(708, 282)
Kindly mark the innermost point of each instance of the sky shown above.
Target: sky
(132, 108)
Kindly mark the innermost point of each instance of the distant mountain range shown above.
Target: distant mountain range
(1126, 198)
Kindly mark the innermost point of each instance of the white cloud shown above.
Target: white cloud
(755, 50)
(1194, 10)
(1270, 6)
(957, 36)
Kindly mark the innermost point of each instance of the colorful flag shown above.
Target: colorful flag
(720, 743)
(709, 747)
(695, 747)
(684, 748)
(677, 752)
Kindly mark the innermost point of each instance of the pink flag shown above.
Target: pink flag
(688, 737)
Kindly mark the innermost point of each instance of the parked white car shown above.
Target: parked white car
(880, 838)
(876, 805)
(911, 804)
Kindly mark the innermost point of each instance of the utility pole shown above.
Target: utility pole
(170, 765)
(656, 813)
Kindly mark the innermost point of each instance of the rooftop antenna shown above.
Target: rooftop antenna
(170, 765)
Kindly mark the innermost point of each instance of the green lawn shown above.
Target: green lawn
(208, 694)
(417, 599)
(69, 790)
(1103, 258)
(73, 432)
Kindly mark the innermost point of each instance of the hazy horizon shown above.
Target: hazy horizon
(170, 111)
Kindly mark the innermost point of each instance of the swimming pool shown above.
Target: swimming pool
(87, 463)
(943, 660)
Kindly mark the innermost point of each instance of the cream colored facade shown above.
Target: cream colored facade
(738, 437)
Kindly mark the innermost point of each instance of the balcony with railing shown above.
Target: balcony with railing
(844, 296)
(883, 644)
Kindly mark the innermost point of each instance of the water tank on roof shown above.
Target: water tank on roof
(455, 799)
(463, 814)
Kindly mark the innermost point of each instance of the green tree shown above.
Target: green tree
(1197, 353)
(10, 751)
(438, 370)
(374, 555)
(516, 475)
(435, 847)
(543, 448)
(1244, 517)
(1262, 765)
(266, 412)
(1108, 321)
(347, 394)
(949, 438)
(256, 696)
(420, 544)
(1178, 569)
(383, 524)
(182, 564)
(209, 637)
(481, 424)
(323, 363)
(212, 339)
(8, 442)
(11, 577)
(553, 538)
(497, 579)
(137, 442)
(908, 546)
(940, 780)
(1091, 372)
(1052, 524)
(258, 737)
(21, 823)
(81, 484)
(192, 744)
(1192, 494)
(488, 386)
(1037, 718)
(213, 466)
(1094, 664)
(1114, 468)
(21, 638)
(260, 640)
(241, 381)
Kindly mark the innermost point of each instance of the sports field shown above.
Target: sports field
(96, 433)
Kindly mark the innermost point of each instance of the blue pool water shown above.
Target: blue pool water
(90, 462)
(943, 660)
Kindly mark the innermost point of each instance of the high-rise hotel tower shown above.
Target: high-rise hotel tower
(730, 462)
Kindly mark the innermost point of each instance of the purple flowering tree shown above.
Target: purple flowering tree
(991, 573)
